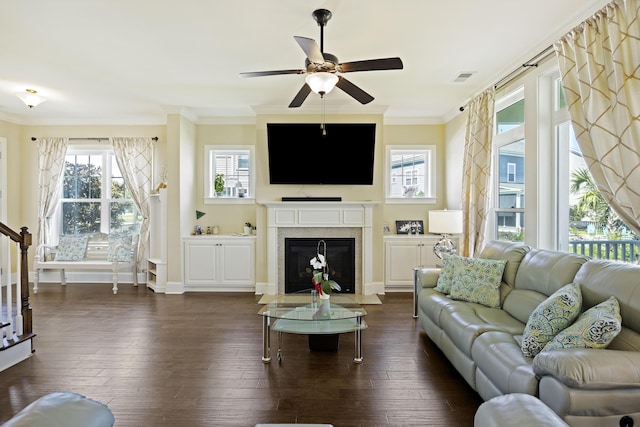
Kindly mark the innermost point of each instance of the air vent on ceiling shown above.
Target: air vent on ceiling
(463, 76)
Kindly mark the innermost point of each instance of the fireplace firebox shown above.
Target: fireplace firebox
(341, 261)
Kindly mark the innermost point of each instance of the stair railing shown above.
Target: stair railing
(23, 323)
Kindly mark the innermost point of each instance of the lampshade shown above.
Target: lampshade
(445, 222)
(321, 82)
(31, 98)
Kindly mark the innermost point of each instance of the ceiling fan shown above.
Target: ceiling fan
(322, 68)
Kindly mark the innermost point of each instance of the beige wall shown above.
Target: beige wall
(181, 150)
(454, 156)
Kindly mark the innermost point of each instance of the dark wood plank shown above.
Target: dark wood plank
(195, 360)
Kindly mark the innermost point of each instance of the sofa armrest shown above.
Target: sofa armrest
(423, 278)
(427, 277)
(591, 369)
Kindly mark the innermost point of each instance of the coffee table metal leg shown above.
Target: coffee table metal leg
(358, 338)
(266, 339)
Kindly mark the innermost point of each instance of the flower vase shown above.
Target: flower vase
(324, 295)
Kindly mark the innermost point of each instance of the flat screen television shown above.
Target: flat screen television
(300, 154)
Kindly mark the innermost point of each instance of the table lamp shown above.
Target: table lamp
(445, 222)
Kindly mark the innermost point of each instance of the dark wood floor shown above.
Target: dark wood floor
(195, 360)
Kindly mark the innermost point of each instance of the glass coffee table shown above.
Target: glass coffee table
(299, 314)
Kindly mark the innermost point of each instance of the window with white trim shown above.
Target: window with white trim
(509, 164)
(94, 195)
(410, 173)
(229, 173)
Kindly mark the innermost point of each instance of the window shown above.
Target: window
(562, 210)
(587, 224)
(511, 172)
(229, 175)
(94, 196)
(509, 166)
(410, 174)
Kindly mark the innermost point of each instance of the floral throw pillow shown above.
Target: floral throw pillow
(446, 274)
(550, 317)
(478, 280)
(72, 247)
(124, 255)
(595, 328)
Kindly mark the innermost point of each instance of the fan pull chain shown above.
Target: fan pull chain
(323, 128)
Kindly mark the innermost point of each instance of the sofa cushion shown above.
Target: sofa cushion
(547, 271)
(463, 322)
(509, 251)
(124, 255)
(520, 303)
(600, 279)
(478, 280)
(446, 274)
(72, 247)
(587, 368)
(550, 317)
(497, 354)
(595, 328)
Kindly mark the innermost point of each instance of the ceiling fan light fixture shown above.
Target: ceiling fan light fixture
(31, 98)
(321, 82)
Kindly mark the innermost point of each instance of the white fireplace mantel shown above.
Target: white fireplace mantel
(320, 215)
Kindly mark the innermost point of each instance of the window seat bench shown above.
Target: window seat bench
(98, 256)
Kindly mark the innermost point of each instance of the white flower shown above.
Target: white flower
(318, 262)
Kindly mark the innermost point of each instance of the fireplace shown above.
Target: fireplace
(341, 262)
(353, 220)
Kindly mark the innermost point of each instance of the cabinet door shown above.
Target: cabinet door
(237, 263)
(200, 263)
(401, 258)
(428, 258)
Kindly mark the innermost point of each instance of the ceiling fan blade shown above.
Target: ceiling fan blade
(311, 49)
(300, 96)
(271, 73)
(354, 91)
(372, 65)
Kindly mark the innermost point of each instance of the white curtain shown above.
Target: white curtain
(134, 157)
(600, 66)
(476, 179)
(51, 153)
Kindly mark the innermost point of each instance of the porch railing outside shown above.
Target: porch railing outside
(615, 250)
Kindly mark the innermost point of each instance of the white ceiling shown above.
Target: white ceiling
(132, 62)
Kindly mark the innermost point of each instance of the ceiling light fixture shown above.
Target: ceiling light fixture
(321, 82)
(31, 98)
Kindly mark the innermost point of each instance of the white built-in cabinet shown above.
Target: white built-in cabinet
(403, 254)
(219, 263)
(157, 260)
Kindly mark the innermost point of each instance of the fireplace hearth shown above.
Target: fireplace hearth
(341, 263)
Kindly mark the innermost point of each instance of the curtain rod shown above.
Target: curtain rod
(533, 62)
(33, 138)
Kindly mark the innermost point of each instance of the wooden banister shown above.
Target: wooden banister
(24, 240)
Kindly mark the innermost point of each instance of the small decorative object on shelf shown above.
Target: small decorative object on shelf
(247, 228)
(198, 229)
(218, 184)
(320, 278)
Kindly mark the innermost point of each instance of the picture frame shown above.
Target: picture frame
(410, 226)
